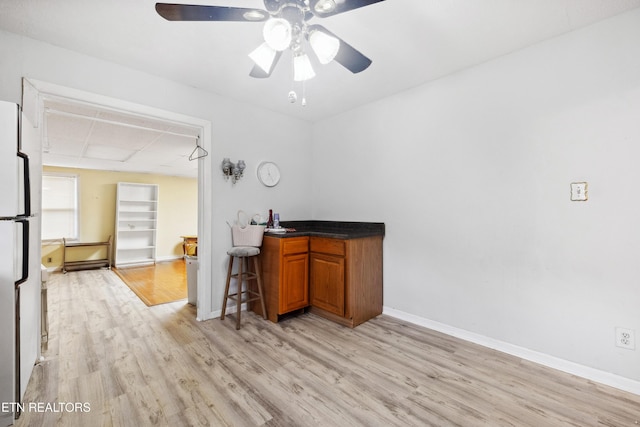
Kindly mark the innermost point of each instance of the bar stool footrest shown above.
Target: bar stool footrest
(234, 297)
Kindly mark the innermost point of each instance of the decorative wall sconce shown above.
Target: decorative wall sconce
(232, 170)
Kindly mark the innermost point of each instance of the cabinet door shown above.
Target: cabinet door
(328, 283)
(294, 293)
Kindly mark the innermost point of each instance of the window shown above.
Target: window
(59, 206)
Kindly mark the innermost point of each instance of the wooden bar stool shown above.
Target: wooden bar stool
(243, 253)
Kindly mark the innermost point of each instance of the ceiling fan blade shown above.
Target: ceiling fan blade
(347, 56)
(324, 8)
(192, 12)
(259, 73)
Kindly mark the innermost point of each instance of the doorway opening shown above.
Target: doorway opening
(129, 139)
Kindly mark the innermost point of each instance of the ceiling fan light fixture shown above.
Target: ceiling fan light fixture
(324, 46)
(325, 6)
(302, 69)
(264, 57)
(277, 33)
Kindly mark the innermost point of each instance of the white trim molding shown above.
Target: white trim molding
(586, 372)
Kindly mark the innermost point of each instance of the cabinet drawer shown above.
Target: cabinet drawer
(328, 246)
(295, 245)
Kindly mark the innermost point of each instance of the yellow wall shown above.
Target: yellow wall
(177, 210)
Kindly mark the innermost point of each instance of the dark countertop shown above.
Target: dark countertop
(331, 229)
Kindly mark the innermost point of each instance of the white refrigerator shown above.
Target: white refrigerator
(19, 263)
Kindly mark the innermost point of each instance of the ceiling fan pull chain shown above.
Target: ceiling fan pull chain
(304, 92)
(293, 96)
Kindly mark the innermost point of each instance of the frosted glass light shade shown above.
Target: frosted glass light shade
(277, 33)
(302, 69)
(325, 6)
(325, 46)
(263, 56)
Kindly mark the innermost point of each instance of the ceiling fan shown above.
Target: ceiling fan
(286, 27)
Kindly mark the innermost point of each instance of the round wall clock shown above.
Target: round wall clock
(269, 174)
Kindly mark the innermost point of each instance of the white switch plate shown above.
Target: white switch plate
(579, 191)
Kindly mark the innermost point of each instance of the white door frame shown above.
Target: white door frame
(33, 96)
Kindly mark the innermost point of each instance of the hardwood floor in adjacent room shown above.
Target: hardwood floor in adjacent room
(136, 366)
(157, 283)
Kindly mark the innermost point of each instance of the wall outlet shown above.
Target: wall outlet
(49, 259)
(626, 338)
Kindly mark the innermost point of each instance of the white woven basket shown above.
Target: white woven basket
(249, 235)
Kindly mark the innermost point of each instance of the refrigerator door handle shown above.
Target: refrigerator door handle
(27, 185)
(25, 251)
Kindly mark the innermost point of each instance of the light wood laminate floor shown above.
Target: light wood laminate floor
(137, 366)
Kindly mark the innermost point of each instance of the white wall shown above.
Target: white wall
(239, 131)
(471, 175)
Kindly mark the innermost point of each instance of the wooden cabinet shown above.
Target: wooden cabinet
(295, 284)
(327, 279)
(136, 221)
(285, 274)
(340, 279)
(346, 279)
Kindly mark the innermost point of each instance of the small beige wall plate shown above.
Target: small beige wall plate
(579, 191)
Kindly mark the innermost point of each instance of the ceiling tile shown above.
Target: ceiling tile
(108, 152)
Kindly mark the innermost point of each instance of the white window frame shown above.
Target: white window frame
(76, 208)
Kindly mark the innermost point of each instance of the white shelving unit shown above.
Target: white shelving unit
(136, 223)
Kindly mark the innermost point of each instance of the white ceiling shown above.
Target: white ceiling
(411, 42)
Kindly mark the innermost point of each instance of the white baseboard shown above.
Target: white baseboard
(168, 258)
(586, 372)
(231, 309)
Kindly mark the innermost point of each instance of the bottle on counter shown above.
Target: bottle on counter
(270, 220)
(276, 220)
